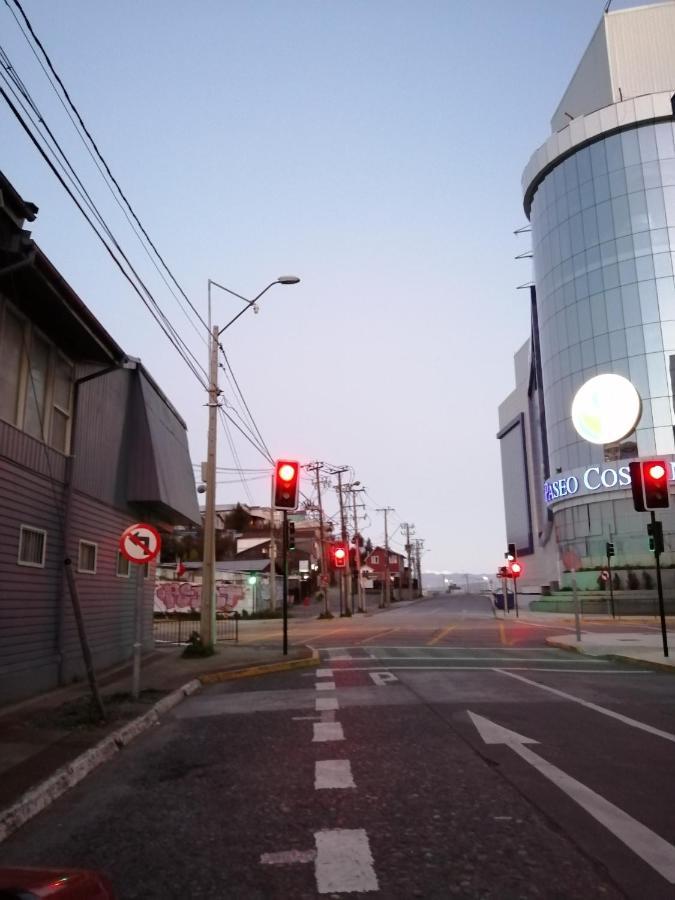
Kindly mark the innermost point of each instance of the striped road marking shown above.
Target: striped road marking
(322, 704)
(324, 673)
(332, 774)
(327, 731)
(344, 862)
(325, 685)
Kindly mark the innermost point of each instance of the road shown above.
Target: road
(437, 752)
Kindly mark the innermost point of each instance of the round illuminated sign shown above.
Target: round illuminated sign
(340, 553)
(605, 409)
(287, 472)
(657, 471)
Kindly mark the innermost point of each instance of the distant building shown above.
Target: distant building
(376, 562)
(600, 197)
(89, 444)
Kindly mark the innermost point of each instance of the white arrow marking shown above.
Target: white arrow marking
(646, 844)
(383, 678)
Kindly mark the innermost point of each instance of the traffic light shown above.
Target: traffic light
(286, 484)
(291, 536)
(649, 483)
(516, 569)
(610, 549)
(339, 554)
(655, 532)
(510, 553)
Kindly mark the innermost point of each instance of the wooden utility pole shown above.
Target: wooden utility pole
(316, 467)
(387, 582)
(273, 563)
(418, 552)
(344, 576)
(408, 550)
(357, 554)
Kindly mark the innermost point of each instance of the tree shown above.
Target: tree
(238, 519)
(368, 549)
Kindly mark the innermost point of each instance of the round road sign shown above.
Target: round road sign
(140, 543)
(604, 575)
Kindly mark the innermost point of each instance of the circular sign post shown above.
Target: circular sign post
(605, 409)
(139, 543)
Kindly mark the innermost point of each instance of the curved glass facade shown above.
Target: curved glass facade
(603, 231)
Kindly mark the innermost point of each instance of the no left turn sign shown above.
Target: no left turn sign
(140, 543)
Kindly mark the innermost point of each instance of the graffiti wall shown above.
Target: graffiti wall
(182, 596)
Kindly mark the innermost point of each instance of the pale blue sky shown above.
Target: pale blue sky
(374, 148)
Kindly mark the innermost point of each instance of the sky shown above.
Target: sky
(374, 148)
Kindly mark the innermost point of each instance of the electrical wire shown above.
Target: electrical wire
(243, 399)
(235, 455)
(103, 162)
(150, 303)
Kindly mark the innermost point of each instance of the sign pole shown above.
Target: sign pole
(284, 552)
(138, 632)
(515, 595)
(577, 622)
(611, 586)
(657, 537)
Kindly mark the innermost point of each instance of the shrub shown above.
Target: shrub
(647, 581)
(633, 581)
(196, 648)
(616, 582)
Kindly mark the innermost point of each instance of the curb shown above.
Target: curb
(264, 669)
(43, 794)
(615, 657)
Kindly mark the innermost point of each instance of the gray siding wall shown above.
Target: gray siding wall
(28, 596)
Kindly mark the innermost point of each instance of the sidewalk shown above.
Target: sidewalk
(643, 649)
(52, 737)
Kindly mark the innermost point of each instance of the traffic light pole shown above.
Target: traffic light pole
(657, 535)
(611, 586)
(284, 556)
(208, 606)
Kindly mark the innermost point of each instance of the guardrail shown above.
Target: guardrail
(176, 628)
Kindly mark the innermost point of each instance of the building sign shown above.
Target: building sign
(605, 409)
(593, 480)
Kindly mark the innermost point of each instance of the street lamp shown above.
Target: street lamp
(208, 604)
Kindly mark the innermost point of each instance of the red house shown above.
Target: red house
(377, 561)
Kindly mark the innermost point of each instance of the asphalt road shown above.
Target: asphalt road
(437, 753)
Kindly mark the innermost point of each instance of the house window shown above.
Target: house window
(32, 546)
(392, 560)
(375, 560)
(87, 558)
(36, 381)
(122, 565)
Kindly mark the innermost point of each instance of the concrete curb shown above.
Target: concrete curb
(263, 669)
(43, 795)
(613, 657)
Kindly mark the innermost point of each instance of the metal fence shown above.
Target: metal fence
(176, 629)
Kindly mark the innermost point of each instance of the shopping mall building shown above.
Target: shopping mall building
(600, 198)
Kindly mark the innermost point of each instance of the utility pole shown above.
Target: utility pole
(418, 553)
(325, 575)
(208, 606)
(346, 576)
(273, 563)
(408, 550)
(357, 555)
(387, 582)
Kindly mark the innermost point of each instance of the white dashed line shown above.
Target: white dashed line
(325, 703)
(328, 731)
(286, 857)
(332, 774)
(325, 685)
(324, 673)
(344, 862)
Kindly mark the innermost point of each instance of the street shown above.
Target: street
(437, 751)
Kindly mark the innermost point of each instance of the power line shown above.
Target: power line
(97, 152)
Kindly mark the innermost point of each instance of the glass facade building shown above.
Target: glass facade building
(600, 198)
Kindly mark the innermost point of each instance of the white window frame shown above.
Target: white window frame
(121, 556)
(393, 560)
(375, 560)
(32, 565)
(79, 557)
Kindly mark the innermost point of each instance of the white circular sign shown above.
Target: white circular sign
(140, 543)
(605, 409)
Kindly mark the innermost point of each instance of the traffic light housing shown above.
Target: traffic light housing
(510, 553)
(291, 536)
(516, 569)
(339, 555)
(655, 532)
(649, 483)
(610, 549)
(286, 484)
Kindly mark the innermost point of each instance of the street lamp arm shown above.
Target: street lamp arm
(249, 303)
(223, 288)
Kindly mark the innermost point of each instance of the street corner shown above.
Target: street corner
(285, 665)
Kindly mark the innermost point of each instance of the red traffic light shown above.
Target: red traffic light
(649, 483)
(339, 553)
(516, 569)
(286, 484)
(656, 471)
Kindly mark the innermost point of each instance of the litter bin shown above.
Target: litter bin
(499, 600)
